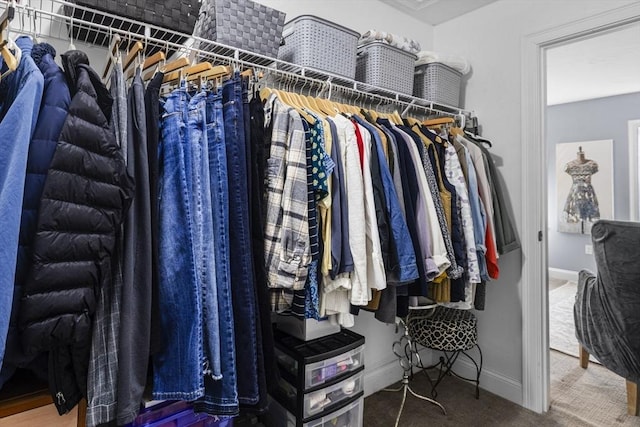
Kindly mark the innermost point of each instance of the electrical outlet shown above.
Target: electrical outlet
(588, 249)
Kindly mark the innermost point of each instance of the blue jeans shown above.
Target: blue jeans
(221, 397)
(178, 365)
(242, 275)
(198, 176)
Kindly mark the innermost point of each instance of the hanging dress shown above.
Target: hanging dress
(582, 203)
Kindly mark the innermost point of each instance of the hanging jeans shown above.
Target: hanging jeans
(221, 396)
(242, 276)
(178, 365)
(198, 179)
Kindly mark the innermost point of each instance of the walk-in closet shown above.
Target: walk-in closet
(275, 213)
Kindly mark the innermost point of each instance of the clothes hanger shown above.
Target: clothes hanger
(395, 118)
(373, 113)
(175, 65)
(212, 73)
(478, 138)
(324, 105)
(438, 125)
(113, 56)
(456, 131)
(186, 72)
(314, 104)
(34, 35)
(138, 64)
(132, 55)
(11, 53)
(296, 102)
(157, 58)
(438, 121)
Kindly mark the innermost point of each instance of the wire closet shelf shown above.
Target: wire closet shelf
(69, 22)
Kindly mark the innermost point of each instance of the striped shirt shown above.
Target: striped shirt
(287, 246)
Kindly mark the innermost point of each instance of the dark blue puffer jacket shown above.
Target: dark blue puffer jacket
(53, 112)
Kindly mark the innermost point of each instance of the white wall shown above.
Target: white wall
(490, 38)
(358, 15)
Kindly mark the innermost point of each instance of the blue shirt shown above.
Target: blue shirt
(406, 269)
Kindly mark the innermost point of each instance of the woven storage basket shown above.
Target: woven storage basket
(380, 64)
(314, 42)
(174, 15)
(438, 83)
(242, 24)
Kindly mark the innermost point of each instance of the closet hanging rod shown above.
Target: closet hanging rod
(58, 19)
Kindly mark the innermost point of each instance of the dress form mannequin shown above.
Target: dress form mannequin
(582, 204)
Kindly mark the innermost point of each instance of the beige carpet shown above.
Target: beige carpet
(562, 331)
(587, 397)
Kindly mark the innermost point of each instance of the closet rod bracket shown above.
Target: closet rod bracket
(406, 110)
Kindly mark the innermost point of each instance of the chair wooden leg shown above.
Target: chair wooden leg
(632, 398)
(584, 357)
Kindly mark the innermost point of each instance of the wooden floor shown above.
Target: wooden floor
(43, 416)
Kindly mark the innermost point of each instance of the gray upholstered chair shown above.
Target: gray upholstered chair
(607, 307)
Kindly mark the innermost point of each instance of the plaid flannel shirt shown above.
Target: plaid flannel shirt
(287, 246)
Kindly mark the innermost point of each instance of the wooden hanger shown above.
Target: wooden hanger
(154, 59)
(456, 131)
(217, 72)
(11, 53)
(175, 65)
(326, 106)
(113, 56)
(157, 58)
(133, 53)
(265, 93)
(296, 102)
(249, 72)
(438, 121)
(395, 118)
(413, 121)
(194, 69)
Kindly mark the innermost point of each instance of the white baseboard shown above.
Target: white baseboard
(560, 274)
(381, 377)
(490, 381)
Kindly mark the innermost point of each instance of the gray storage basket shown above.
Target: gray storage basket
(242, 24)
(438, 83)
(380, 64)
(314, 42)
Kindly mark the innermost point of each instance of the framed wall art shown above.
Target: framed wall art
(584, 177)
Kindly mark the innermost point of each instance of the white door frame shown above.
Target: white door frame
(535, 313)
(634, 154)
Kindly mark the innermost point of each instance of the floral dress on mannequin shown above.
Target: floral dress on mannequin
(582, 203)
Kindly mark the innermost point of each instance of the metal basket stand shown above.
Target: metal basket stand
(407, 353)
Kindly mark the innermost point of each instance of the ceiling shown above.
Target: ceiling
(436, 12)
(603, 65)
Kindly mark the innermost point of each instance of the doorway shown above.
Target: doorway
(592, 99)
(535, 242)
